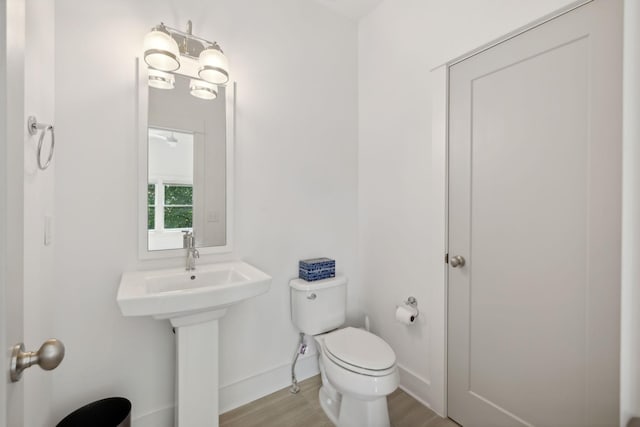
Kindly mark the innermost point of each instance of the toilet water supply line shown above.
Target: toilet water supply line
(301, 349)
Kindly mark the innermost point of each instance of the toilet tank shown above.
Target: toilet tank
(319, 306)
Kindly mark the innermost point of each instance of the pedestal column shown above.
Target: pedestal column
(197, 364)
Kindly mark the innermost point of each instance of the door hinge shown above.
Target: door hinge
(446, 258)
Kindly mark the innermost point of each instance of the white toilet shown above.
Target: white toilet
(358, 368)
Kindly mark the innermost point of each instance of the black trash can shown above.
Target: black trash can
(110, 412)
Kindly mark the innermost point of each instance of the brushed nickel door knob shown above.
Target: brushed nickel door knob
(457, 261)
(48, 357)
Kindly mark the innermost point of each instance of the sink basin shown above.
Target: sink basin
(173, 293)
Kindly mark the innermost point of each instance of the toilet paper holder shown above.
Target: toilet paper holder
(413, 303)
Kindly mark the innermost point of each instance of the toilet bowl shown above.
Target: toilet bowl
(359, 371)
(358, 368)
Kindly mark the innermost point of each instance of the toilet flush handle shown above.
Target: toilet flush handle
(312, 296)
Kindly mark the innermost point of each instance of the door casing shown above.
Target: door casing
(12, 78)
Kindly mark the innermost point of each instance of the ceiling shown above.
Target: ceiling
(354, 9)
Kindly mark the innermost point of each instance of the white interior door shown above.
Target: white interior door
(534, 209)
(26, 202)
(11, 196)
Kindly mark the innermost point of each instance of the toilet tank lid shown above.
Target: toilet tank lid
(303, 285)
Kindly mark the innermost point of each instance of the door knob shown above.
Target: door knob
(48, 357)
(457, 261)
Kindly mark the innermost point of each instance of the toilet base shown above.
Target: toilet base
(363, 413)
(330, 405)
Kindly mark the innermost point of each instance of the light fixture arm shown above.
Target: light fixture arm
(189, 35)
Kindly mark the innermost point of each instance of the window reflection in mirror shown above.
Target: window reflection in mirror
(186, 168)
(170, 189)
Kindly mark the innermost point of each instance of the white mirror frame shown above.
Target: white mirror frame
(142, 91)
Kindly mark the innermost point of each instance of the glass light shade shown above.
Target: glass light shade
(161, 80)
(161, 51)
(203, 90)
(214, 66)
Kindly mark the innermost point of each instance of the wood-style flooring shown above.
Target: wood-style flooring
(283, 409)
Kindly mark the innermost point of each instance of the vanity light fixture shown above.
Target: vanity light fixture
(203, 90)
(168, 50)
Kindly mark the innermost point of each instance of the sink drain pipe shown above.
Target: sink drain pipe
(301, 349)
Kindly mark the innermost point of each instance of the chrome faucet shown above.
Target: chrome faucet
(189, 243)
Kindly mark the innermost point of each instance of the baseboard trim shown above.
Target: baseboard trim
(163, 417)
(259, 385)
(415, 386)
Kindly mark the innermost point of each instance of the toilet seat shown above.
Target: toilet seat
(360, 351)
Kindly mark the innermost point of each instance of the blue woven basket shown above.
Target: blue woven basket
(316, 269)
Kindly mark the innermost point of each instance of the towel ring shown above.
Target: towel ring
(33, 126)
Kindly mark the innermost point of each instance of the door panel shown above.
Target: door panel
(534, 209)
(38, 201)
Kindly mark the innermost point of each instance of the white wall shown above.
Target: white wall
(630, 326)
(171, 163)
(400, 240)
(296, 184)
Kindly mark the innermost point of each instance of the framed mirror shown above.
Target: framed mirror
(185, 167)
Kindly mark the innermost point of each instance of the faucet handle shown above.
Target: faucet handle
(187, 236)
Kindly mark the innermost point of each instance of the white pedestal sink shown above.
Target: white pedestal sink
(193, 301)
